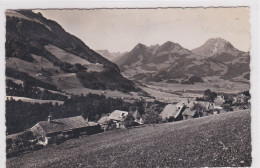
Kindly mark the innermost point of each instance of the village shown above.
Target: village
(56, 131)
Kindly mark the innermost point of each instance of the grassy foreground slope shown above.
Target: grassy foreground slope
(220, 140)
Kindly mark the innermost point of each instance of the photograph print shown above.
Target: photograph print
(123, 87)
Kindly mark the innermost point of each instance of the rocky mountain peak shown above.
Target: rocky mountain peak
(215, 46)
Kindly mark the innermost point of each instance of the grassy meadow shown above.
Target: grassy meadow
(215, 141)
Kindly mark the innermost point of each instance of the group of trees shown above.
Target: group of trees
(22, 115)
(209, 96)
(70, 68)
(152, 114)
(25, 90)
(191, 80)
(109, 79)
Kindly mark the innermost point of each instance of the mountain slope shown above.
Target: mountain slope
(45, 51)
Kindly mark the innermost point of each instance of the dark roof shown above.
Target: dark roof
(63, 124)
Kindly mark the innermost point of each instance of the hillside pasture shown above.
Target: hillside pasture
(108, 93)
(222, 140)
(65, 56)
(213, 83)
(26, 99)
(66, 81)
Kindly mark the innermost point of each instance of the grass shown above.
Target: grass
(220, 140)
(65, 56)
(30, 100)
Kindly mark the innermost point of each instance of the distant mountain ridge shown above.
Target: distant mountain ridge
(109, 55)
(170, 62)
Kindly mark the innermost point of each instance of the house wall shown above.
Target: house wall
(186, 117)
(93, 129)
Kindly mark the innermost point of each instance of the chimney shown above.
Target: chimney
(49, 118)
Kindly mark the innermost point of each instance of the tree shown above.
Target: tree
(209, 95)
(151, 115)
(129, 121)
(199, 109)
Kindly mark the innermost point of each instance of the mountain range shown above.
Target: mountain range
(112, 56)
(40, 51)
(170, 62)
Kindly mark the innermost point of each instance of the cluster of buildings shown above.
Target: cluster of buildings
(54, 130)
(51, 131)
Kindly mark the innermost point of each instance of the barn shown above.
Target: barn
(65, 127)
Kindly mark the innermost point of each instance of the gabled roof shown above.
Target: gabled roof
(118, 115)
(63, 124)
(91, 123)
(103, 120)
(188, 112)
(219, 101)
(171, 110)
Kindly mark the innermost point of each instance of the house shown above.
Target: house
(188, 113)
(55, 129)
(118, 117)
(219, 100)
(104, 122)
(173, 112)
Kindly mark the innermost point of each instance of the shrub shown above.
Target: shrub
(209, 95)
(227, 107)
(199, 110)
(151, 115)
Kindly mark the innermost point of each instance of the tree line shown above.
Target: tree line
(23, 115)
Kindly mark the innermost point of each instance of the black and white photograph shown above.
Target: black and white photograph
(128, 87)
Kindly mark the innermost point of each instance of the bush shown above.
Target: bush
(209, 95)
(199, 110)
(227, 107)
(151, 115)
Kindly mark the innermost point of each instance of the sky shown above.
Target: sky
(122, 29)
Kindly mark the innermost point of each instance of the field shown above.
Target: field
(173, 93)
(219, 140)
(26, 99)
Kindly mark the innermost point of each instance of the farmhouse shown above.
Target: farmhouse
(118, 117)
(104, 122)
(188, 113)
(68, 127)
